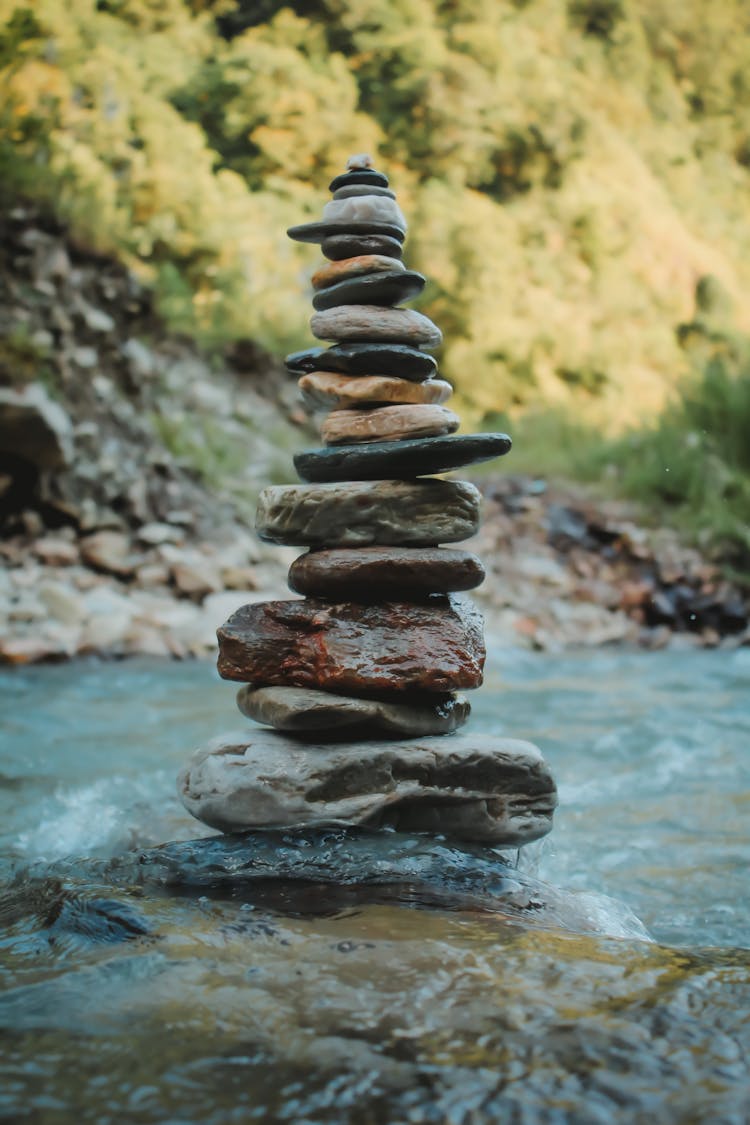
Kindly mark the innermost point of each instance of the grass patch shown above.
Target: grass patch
(690, 469)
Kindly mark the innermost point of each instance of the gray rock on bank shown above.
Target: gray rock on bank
(470, 787)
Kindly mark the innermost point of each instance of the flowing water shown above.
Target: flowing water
(378, 978)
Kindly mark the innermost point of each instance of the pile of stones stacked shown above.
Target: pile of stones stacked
(359, 683)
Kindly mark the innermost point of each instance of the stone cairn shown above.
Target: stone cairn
(361, 678)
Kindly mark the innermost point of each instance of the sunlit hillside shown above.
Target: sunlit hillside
(571, 171)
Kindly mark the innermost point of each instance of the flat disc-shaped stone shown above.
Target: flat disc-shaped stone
(362, 189)
(372, 323)
(318, 232)
(305, 709)
(353, 648)
(365, 209)
(328, 390)
(420, 513)
(333, 272)
(339, 246)
(369, 573)
(378, 288)
(468, 786)
(359, 176)
(399, 458)
(378, 358)
(388, 423)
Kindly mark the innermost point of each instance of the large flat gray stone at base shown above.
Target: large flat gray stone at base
(471, 787)
(305, 709)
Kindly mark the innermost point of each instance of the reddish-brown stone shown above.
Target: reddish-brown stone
(368, 573)
(389, 648)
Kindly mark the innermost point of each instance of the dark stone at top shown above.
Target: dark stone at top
(376, 359)
(354, 190)
(398, 460)
(347, 245)
(359, 176)
(381, 288)
(301, 363)
(319, 232)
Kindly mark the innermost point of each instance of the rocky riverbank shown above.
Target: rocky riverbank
(563, 571)
(130, 463)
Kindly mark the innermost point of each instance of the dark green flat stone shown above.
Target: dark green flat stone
(354, 190)
(399, 460)
(359, 176)
(319, 232)
(376, 358)
(340, 246)
(381, 288)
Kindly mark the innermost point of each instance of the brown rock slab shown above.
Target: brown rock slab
(383, 572)
(348, 647)
(333, 272)
(470, 787)
(388, 423)
(329, 390)
(419, 513)
(304, 709)
(372, 323)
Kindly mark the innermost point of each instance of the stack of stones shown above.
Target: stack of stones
(361, 680)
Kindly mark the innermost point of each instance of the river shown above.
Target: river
(143, 985)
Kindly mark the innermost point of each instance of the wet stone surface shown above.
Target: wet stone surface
(355, 648)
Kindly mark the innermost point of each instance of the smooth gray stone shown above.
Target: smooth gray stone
(471, 787)
(371, 323)
(420, 513)
(304, 709)
(365, 209)
(362, 189)
(406, 459)
(381, 288)
(320, 231)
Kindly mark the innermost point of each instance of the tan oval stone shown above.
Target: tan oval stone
(388, 423)
(371, 323)
(329, 389)
(332, 272)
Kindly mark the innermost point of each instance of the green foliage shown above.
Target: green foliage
(570, 169)
(23, 360)
(690, 468)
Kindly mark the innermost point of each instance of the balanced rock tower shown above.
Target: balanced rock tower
(358, 686)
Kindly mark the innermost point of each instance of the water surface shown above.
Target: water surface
(129, 999)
